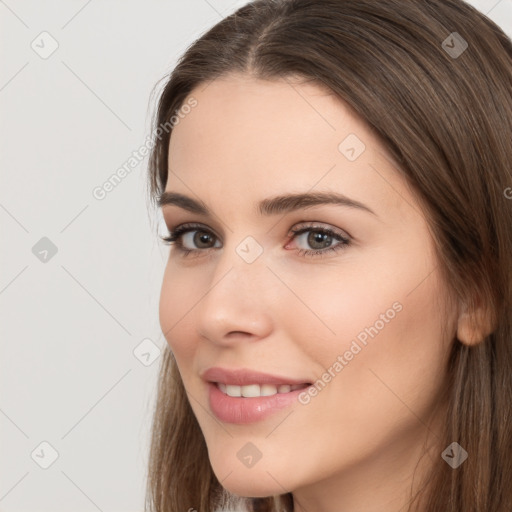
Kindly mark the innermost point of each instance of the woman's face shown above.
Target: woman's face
(364, 319)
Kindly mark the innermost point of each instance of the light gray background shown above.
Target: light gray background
(70, 325)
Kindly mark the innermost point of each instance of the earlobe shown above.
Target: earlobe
(474, 326)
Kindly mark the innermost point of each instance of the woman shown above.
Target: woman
(337, 298)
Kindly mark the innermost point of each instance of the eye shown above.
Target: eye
(196, 239)
(319, 240)
(194, 235)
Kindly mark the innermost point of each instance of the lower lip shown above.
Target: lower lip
(242, 410)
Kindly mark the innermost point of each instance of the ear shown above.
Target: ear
(474, 325)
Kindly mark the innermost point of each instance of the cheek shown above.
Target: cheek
(177, 299)
(326, 315)
(378, 330)
(383, 390)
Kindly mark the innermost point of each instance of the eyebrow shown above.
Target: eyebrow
(270, 206)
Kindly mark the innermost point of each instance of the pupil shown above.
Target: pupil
(201, 238)
(322, 238)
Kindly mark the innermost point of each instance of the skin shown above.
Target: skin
(355, 446)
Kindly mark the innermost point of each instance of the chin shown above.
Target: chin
(250, 489)
(249, 482)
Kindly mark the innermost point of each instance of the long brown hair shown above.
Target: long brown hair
(444, 113)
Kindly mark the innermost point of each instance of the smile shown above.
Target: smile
(257, 390)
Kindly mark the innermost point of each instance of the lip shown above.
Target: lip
(244, 377)
(242, 410)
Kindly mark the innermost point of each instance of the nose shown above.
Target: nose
(238, 301)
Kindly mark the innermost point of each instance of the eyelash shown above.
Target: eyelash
(175, 237)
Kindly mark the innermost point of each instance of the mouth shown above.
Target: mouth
(251, 403)
(242, 395)
(258, 390)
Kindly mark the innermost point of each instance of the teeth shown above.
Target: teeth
(267, 390)
(233, 390)
(256, 390)
(250, 391)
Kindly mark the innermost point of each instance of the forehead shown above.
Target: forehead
(262, 137)
(250, 111)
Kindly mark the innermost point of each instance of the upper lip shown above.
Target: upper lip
(244, 377)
